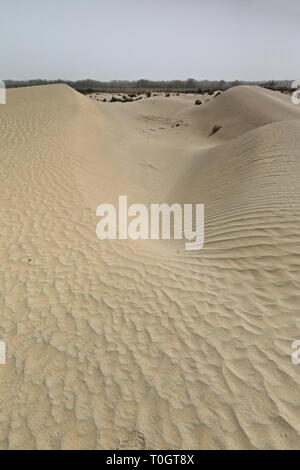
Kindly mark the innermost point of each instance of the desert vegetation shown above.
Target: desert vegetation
(142, 86)
(215, 129)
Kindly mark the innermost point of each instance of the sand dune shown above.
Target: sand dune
(140, 344)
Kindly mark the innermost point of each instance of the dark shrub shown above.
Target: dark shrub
(215, 129)
(198, 102)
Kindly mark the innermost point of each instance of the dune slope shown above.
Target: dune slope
(128, 344)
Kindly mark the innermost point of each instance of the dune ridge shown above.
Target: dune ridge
(140, 344)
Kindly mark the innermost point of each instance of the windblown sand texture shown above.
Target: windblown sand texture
(123, 344)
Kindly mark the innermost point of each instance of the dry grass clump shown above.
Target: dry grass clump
(215, 129)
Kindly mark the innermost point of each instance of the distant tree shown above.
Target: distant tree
(190, 84)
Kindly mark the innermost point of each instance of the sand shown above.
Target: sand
(123, 344)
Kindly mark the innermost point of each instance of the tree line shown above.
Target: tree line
(190, 85)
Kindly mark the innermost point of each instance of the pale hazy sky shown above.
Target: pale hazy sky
(155, 39)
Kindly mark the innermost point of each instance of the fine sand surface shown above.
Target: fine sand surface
(122, 344)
